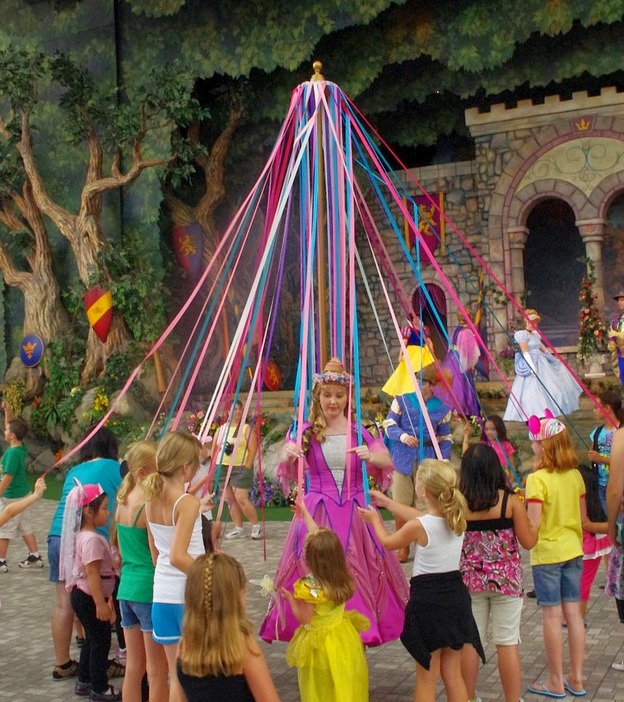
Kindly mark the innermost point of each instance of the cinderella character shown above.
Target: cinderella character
(542, 382)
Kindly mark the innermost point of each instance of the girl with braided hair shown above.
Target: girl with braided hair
(219, 658)
(438, 617)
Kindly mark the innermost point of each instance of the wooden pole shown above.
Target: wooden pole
(321, 237)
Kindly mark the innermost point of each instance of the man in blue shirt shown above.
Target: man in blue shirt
(411, 441)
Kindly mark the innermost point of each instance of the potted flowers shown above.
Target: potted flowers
(592, 330)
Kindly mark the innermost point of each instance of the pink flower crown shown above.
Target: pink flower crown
(334, 372)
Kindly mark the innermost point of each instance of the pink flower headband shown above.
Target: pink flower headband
(545, 427)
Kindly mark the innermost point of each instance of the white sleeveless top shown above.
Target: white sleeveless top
(169, 581)
(442, 552)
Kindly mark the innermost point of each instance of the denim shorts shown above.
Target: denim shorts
(558, 582)
(167, 622)
(54, 553)
(136, 614)
(240, 477)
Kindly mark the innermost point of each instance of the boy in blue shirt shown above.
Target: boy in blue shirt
(411, 442)
(14, 486)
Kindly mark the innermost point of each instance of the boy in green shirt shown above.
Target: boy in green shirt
(14, 486)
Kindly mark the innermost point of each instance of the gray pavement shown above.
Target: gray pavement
(26, 646)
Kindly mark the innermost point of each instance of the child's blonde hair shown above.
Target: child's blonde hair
(558, 454)
(439, 479)
(326, 559)
(216, 630)
(174, 451)
(140, 454)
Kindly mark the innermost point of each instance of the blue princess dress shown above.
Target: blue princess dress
(552, 387)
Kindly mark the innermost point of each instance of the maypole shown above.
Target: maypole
(321, 223)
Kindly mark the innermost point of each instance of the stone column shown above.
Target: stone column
(592, 234)
(514, 269)
(517, 241)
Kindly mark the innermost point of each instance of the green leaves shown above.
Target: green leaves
(19, 73)
(156, 8)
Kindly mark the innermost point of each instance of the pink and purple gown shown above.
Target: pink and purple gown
(458, 389)
(381, 590)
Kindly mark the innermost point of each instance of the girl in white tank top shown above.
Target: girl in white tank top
(173, 518)
(438, 617)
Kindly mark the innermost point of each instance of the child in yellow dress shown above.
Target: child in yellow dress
(326, 648)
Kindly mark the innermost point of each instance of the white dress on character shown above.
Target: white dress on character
(551, 387)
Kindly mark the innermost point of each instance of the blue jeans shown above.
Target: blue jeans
(558, 582)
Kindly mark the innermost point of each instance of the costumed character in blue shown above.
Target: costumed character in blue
(411, 441)
(542, 382)
(616, 336)
(457, 386)
(419, 348)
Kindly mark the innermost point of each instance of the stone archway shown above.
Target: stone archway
(433, 319)
(572, 150)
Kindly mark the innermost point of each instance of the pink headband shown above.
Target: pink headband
(87, 493)
(544, 428)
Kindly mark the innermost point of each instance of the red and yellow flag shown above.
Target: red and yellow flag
(99, 306)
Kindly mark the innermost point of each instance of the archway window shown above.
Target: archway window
(428, 316)
(613, 254)
(553, 268)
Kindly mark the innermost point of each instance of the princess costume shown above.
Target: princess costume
(400, 382)
(457, 388)
(334, 491)
(550, 386)
(328, 651)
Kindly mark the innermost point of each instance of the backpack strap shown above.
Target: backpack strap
(596, 436)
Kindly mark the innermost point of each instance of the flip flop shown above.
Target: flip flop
(543, 690)
(575, 693)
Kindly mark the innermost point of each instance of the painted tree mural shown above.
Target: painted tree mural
(113, 139)
(130, 126)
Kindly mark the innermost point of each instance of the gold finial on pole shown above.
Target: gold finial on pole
(318, 67)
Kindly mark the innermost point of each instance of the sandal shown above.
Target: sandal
(538, 688)
(575, 693)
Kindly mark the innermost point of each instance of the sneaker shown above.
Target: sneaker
(31, 562)
(115, 669)
(109, 695)
(256, 531)
(4, 568)
(62, 672)
(618, 665)
(236, 533)
(82, 689)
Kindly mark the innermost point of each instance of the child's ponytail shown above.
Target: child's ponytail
(140, 455)
(174, 451)
(453, 506)
(152, 486)
(440, 480)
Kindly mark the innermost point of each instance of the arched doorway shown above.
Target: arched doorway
(553, 268)
(421, 304)
(613, 253)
